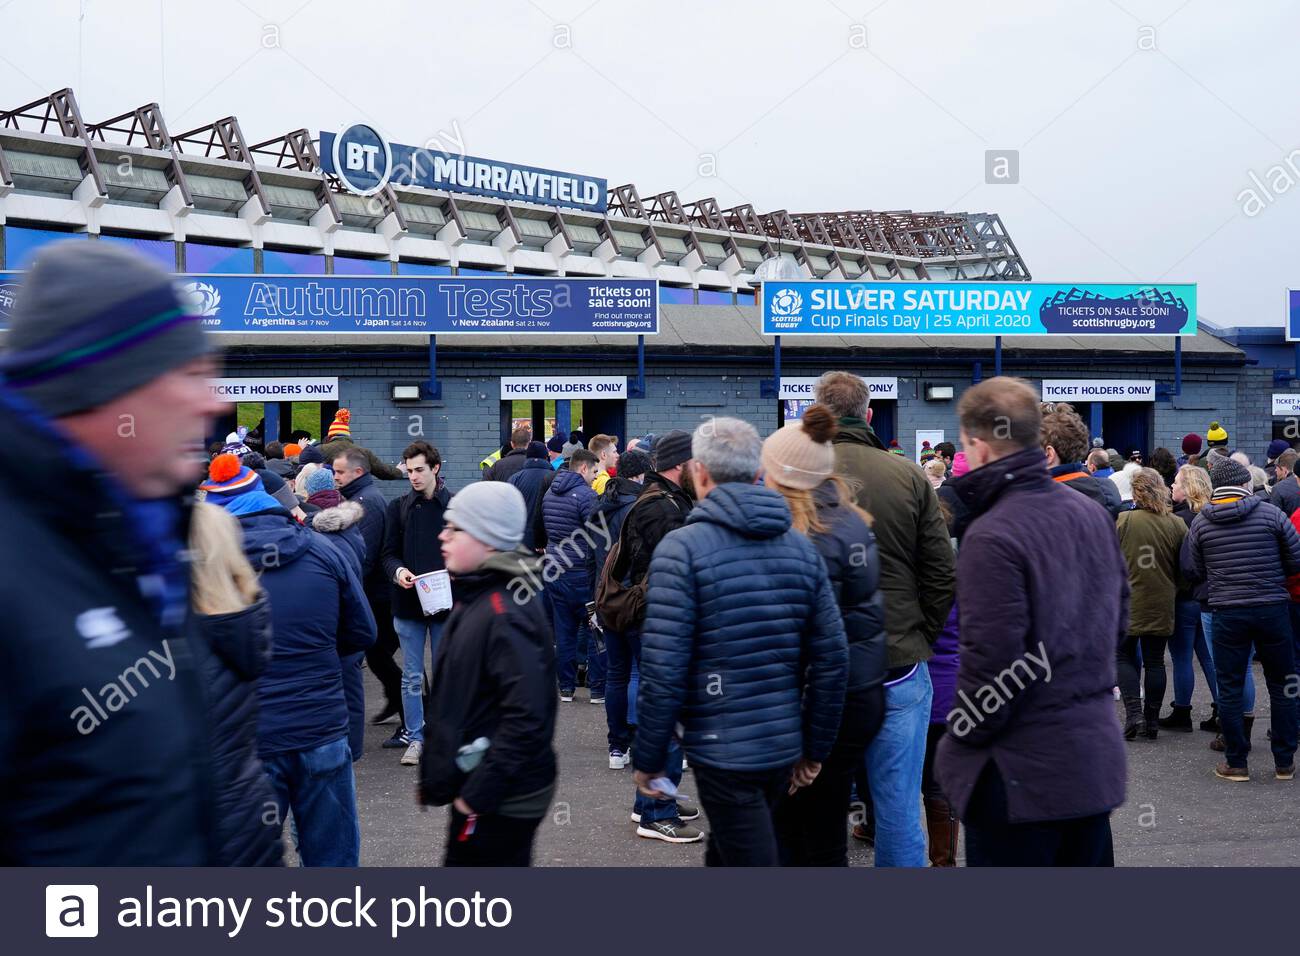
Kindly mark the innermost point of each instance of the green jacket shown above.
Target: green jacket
(381, 470)
(1151, 544)
(916, 559)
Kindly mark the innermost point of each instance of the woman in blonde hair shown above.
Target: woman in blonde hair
(1151, 538)
(799, 462)
(233, 646)
(1192, 491)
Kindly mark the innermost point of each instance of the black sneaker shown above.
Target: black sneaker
(401, 739)
(389, 711)
(670, 831)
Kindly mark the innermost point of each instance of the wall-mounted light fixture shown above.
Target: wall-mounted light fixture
(938, 393)
(405, 393)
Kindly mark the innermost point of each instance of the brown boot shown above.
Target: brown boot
(943, 829)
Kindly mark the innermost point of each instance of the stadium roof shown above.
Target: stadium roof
(130, 174)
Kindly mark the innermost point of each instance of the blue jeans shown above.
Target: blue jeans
(1266, 628)
(1248, 689)
(317, 785)
(624, 650)
(651, 808)
(569, 596)
(1188, 637)
(411, 634)
(895, 761)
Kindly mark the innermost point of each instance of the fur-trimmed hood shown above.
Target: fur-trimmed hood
(339, 518)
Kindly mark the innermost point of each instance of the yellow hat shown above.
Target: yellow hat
(1216, 435)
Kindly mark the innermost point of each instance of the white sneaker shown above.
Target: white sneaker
(412, 756)
(618, 760)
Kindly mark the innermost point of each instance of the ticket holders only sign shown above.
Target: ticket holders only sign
(432, 305)
(1099, 390)
(978, 308)
(801, 389)
(562, 387)
(275, 389)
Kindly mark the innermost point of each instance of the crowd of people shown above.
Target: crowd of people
(839, 642)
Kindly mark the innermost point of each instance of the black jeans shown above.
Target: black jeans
(992, 840)
(494, 841)
(1153, 666)
(810, 827)
(379, 656)
(740, 804)
(1266, 627)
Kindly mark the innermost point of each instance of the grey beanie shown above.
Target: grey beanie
(1225, 472)
(91, 322)
(490, 511)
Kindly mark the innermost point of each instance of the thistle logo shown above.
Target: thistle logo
(363, 160)
(204, 298)
(784, 307)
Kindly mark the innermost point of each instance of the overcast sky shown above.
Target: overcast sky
(1138, 122)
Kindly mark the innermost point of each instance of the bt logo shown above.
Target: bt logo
(363, 159)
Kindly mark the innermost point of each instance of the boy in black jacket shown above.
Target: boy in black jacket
(491, 703)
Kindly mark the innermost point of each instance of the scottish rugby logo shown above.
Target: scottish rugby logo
(204, 298)
(784, 308)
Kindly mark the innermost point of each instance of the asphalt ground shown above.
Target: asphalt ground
(1177, 812)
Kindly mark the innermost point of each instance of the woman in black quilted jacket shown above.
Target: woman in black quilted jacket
(799, 462)
(233, 646)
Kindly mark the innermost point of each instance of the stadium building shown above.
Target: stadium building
(206, 201)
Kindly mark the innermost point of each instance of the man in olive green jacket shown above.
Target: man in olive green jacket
(917, 577)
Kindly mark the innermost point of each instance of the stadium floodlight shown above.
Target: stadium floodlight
(782, 267)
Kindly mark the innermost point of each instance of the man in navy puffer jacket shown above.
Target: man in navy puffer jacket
(744, 645)
(318, 611)
(1244, 549)
(567, 506)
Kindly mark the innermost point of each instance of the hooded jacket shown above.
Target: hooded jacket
(532, 480)
(1243, 548)
(494, 677)
(81, 784)
(566, 506)
(1037, 645)
(341, 526)
(318, 611)
(231, 651)
(916, 563)
(611, 509)
(743, 643)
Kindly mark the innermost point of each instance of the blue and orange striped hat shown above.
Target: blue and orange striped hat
(91, 322)
(236, 487)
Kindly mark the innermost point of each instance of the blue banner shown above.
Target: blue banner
(978, 308)
(1292, 315)
(364, 161)
(441, 305)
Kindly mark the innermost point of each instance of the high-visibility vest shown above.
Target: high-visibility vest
(491, 459)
